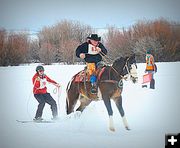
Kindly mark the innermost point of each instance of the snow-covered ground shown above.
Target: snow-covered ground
(151, 113)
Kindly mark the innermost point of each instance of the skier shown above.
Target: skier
(150, 67)
(90, 52)
(41, 94)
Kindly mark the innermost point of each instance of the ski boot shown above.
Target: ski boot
(38, 119)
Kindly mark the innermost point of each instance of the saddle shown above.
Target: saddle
(83, 76)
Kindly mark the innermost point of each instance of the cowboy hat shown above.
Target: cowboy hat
(94, 37)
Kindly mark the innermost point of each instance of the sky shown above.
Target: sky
(150, 113)
(34, 14)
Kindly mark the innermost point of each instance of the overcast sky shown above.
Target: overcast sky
(35, 14)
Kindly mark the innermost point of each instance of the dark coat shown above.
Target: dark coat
(90, 58)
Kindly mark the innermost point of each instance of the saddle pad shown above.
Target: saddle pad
(147, 78)
(80, 76)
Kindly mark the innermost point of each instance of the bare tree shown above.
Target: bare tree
(17, 45)
(2, 47)
(64, 38)
(33, 51)
(46, 53)
(118, 42)
(160, 35)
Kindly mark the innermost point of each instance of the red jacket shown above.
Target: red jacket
(39, 83)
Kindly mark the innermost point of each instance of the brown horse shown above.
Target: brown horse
(110, 86)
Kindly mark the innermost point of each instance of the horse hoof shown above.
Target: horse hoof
(77, 114)
(112, 129)
(127, 128)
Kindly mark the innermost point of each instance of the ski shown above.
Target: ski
(32, 121)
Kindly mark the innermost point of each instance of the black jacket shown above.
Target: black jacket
(89, 58)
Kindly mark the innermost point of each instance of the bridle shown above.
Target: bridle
(124, 67)
(120, 76)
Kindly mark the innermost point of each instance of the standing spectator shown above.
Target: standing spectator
(150, 66)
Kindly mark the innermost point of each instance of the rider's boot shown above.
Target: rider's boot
(93, 83)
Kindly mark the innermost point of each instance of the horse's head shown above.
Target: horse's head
(132, 68)
(127, 67)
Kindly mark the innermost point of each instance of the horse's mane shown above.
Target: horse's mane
(119, 60)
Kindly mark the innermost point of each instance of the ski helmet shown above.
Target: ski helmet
(39, 68)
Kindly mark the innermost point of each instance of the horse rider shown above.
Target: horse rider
(150, 66)
(92, 51)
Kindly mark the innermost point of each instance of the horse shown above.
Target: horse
(110, 86)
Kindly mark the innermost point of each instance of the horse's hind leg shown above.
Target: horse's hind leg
(71, 103)
(118, 102)
(71, 100)
(84, 102)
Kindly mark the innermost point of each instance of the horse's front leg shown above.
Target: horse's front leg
(118, 102)
(107, 103)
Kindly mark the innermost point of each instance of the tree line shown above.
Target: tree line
(57, 43)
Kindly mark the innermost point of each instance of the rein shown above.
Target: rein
(125, 66)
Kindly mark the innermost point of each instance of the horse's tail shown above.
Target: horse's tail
(67, 90)
(67, 105)
(72, 94)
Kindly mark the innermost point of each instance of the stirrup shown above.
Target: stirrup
(94, 89)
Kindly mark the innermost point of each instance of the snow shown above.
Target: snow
(150, 113)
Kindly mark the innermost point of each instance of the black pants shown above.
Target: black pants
(152, 83)
(42, 99)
